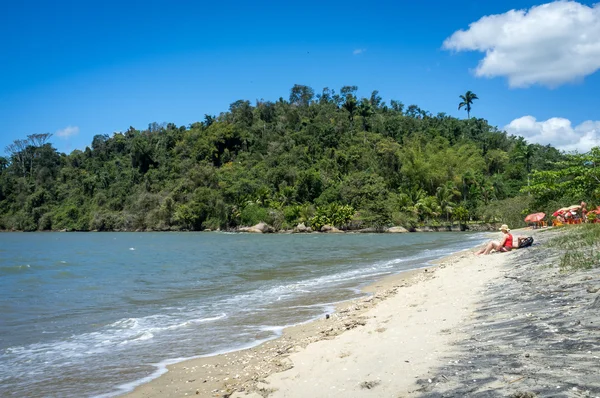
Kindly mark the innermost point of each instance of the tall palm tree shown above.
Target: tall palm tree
(409, 199)
(444, 195)
(467, 101)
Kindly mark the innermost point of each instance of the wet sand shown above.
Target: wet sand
(487, 326)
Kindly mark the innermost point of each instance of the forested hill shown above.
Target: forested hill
(319, 159)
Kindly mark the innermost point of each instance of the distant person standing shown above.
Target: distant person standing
(584, 211)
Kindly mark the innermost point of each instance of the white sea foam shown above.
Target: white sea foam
(111, 337)
(275, 329)
(144, 336)
(161, 368)
(201, 320)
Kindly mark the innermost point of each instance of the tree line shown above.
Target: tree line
(327, 158)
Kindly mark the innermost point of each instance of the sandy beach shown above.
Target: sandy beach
(486, 326)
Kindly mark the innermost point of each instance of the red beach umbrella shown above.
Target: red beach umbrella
(535, 217)
(560, 211)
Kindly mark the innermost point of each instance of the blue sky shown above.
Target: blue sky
(78, 69)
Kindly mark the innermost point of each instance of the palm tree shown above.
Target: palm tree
(470, 185)
(444, 195)
(467, 101)
(409, 199)
(428, 208)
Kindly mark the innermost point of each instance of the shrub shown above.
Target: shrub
(333, 214)
(275, 218)
(252, 214)
(404, 219)
(212, 223)
(105, 221)
(45, 222)
(292, 213)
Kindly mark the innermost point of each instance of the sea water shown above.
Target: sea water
(94, 314)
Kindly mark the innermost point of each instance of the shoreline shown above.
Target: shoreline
(243, 369)
(479, 227)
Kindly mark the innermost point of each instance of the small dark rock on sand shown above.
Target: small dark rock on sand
(523, 395)
(369, 384)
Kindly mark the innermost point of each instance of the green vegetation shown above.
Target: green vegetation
(579, 245)
(571, 179)
(326, 158)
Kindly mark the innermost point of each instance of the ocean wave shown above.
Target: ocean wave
(144, 336)
(120, 333)
(274, 329)
(306, 286)
(14, 269)
(423, 258)
(209, 319)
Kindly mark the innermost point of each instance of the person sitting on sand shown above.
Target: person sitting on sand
(505, 245)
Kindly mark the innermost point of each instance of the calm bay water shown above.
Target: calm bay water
(88, 314)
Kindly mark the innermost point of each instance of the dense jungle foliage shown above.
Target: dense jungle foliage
(331, 158)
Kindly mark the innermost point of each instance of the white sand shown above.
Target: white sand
(404, 338)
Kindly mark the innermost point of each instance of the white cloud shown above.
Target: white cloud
(558, 132)
(549, 44)
(67, 132)
(359, 51)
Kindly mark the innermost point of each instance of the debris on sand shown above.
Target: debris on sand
(369, 384)
(523, 395)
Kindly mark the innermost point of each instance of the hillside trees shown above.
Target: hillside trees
(308, 159)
